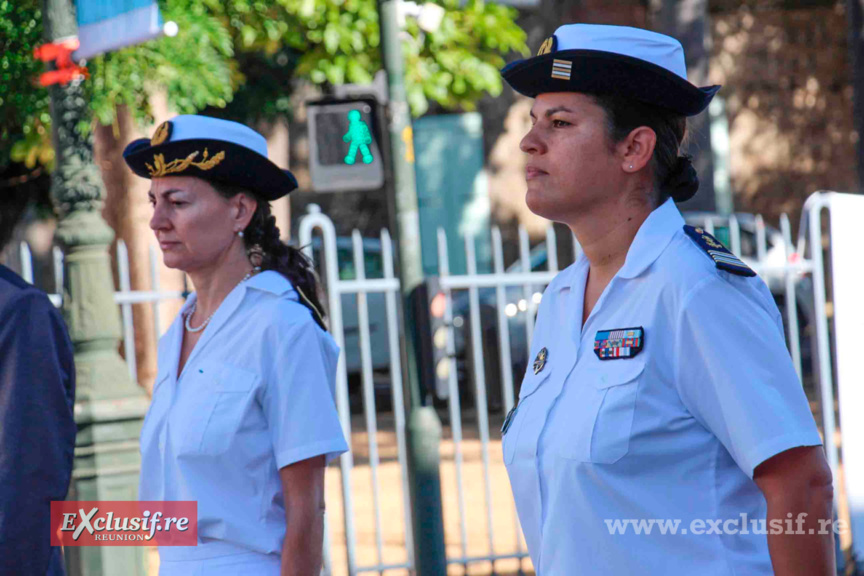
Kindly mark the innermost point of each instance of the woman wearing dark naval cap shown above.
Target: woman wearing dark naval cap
(661, 429)
(242, 419)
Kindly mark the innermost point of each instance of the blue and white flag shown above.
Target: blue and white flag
(106, 25)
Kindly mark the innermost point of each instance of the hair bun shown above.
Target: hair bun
(682, 182)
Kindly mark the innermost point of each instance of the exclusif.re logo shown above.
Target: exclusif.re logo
(115, 523)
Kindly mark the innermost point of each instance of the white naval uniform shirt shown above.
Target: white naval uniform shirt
(672, 433)
(255, 395)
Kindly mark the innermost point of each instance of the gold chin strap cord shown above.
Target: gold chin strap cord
(312, 306)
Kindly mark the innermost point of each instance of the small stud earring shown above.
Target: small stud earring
(631, 166)
(240, 233)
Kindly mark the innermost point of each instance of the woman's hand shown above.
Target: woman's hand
(303, 487)
(798, 489)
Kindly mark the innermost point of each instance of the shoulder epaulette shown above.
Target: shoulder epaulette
(722, 257)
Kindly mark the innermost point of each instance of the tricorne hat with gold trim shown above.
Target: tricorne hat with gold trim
(619, 60)
(211, 149)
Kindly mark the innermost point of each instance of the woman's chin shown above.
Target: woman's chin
(172, 261)
(539, 203)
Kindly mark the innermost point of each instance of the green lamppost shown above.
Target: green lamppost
(424, 426)
(109, 407)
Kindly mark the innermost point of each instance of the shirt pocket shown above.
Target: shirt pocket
(608, 403)
(510, 436)
(228, 391)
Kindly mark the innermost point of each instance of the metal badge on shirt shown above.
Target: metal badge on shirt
(619, 343)
(539, 364)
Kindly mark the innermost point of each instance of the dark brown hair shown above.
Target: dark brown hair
(278, 256)
(674, 175)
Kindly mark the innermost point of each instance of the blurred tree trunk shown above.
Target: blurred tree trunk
(687, 21)
(855, 16)
(127, 211)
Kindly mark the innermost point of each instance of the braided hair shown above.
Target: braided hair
(262, 236)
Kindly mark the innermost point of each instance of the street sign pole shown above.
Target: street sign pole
(424, 427)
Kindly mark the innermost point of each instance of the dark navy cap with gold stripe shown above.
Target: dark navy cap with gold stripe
(600, 59)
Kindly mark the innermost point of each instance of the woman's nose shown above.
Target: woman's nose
(532, 143)
(158, 220)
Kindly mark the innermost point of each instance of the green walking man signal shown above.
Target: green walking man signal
(358, 136)
(345, 151)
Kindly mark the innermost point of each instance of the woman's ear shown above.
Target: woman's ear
(637, 149)
(244, 209)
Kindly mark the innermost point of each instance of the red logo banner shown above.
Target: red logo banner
(115, 523)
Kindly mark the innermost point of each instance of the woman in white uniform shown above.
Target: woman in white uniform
(242, 419)
(661, 429)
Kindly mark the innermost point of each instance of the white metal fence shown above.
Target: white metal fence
(798, 284)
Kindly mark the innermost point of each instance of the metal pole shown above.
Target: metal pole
(109, 407)
(424, 427)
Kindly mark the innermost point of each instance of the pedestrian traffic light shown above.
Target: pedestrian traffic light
(432, 334)
(344, 150)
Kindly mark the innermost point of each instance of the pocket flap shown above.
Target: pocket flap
(610, 373)
(233, 379)
(532, 381)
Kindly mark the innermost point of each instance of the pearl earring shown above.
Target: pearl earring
(631, 166)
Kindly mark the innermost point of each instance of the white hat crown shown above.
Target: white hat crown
(658, 49)
(193, 127)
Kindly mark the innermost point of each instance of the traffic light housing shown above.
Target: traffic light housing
(434, 363)
(345, 151)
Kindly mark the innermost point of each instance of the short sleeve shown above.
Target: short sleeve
(735, 375)
(298, 398)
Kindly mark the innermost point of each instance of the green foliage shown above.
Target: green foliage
(453, 66)
(22, 100)
(196, 68)
(252, 50)
(460, 62)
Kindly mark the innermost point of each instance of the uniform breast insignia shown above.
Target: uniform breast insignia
(619, 343)
(540, 360)
(723, 258)
(539, 364)
(508, 420)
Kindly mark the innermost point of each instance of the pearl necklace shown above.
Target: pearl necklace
(207, 321)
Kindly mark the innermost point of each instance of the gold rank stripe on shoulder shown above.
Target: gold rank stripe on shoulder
(714, 249)
(726, 257)
(730, 259)
(561, 69)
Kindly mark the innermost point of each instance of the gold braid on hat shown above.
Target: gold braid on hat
(160, 168)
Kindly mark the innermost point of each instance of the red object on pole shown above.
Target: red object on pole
(61, 54)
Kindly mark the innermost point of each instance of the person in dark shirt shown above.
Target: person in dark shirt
(37, 426)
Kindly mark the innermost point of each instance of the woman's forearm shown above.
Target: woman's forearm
(304, 540)
(807, 549)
